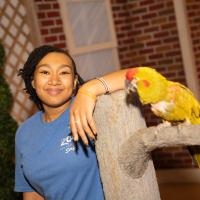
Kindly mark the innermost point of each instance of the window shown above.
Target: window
(90, 34)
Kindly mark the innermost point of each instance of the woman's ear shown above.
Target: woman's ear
(75, 81)
(33, 83)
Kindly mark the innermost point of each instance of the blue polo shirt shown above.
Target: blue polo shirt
(50, 163)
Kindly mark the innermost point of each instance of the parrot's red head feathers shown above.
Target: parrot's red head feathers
(131, 73)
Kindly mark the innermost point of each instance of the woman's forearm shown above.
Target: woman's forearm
(115, 81)
(32, 196)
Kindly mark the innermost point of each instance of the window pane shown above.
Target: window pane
(95, 64)
(89, 22)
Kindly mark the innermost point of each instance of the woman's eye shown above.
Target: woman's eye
(64, 72)
(44, 72)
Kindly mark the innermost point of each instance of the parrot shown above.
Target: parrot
(171, 101)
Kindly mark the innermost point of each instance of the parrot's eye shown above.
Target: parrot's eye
(146, 83)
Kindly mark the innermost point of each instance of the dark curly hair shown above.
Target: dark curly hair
(29, 67)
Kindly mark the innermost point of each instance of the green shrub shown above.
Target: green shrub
(7, 138)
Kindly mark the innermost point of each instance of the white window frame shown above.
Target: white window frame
(90, 48)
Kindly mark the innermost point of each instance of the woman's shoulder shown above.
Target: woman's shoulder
(28, 124)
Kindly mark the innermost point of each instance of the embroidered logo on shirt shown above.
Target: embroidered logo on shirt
(67, 144)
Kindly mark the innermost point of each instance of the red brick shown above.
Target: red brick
(139, 59)
(159, 21)
(146, 51)
(172, 18)
(47, 22)
(119, 21)
(146, 2)
(128, 41)
(171, 39)
(137, 46)
(174, 32)
(123, 14)
(154, 43)
(134, 33)
(62, 37)
(161, 34)
(135, 18)
(156, 56)
(56, 6)
(165, 62)
(44, 6)
(169, 25)
(143, 37)
(151, 29)
(156, 6)
(58, 21)
(141, 24)
(125, 62)
(191, 14)
(139, 11)
(120, 1)
(61, 45)
(56, 30)
(116, 8)
(41, 15)
(169, 4)
(50, 39)
(53, 14)
(44, 31)
(121, 48)
(149, 16)
(170, 74)
(194, 28)
(166, 12)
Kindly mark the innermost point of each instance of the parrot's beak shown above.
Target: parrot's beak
(131, 86)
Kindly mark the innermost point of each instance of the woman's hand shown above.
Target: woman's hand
(81, 121)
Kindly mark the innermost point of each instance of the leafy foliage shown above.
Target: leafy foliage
(7, 138)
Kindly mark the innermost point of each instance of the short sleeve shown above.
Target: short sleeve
(21, 183)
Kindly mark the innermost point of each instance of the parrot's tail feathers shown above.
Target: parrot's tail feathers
(197, 159)
(195, 153)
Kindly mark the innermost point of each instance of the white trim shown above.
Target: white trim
(92, 48)
(33, 22)
(111, 22)
(178, 175)
(66, 25)
(186, 47)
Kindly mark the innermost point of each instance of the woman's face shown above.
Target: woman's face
(54, 80)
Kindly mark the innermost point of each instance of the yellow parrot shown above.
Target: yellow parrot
(171, 101)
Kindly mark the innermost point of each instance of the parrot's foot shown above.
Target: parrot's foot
(185, 123)
(164, 124)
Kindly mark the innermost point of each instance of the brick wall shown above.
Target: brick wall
(147, 35)
(51, 25)
(193, 9)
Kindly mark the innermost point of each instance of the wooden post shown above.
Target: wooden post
(117, 120)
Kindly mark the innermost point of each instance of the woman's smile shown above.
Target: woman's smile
(54, 91)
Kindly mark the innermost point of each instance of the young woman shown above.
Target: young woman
(51, 162)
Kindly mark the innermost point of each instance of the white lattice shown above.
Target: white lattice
(15, 36)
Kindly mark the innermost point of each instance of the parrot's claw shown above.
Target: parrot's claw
(164, 124)
(185, 123)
